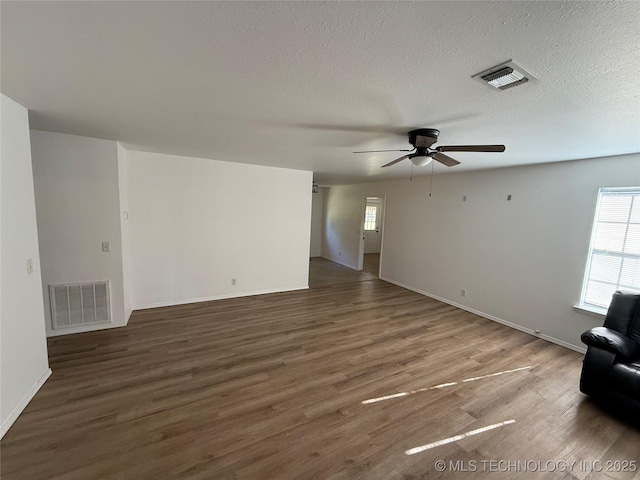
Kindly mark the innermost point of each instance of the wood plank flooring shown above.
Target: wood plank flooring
(323, 272)
(371, 263)
(271, 387)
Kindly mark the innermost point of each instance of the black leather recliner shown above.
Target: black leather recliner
(611, 367)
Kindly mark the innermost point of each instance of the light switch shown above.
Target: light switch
(106, 247)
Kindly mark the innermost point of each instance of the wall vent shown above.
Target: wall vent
(503, 76)
(75, 304)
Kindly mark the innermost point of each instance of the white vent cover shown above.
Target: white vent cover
(79, 304)
(503, 76)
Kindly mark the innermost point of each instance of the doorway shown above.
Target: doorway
(371, 234)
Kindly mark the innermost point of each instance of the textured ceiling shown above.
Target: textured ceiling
(303, 84)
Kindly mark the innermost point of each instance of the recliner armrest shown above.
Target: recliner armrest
(612, 341)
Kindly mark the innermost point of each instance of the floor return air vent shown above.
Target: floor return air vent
(75, 304)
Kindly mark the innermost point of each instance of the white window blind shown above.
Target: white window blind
(614, 254)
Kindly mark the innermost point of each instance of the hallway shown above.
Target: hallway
(371, 263)
(324, 272)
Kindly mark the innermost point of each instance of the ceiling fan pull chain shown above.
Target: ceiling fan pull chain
(411, 175)
(431, 180)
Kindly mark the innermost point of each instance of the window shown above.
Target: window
(370, 214)
(614, 253)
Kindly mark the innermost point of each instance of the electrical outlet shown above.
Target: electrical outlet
(106, 247)
(233, 281)
(463, 292)
(508, 197)
(29, 266)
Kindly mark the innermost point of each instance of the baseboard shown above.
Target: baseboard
(13, 416)
(515, 326)
(340, 263)
(225, 296)
(84, 329)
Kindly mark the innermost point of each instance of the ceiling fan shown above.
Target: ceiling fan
(423, 138)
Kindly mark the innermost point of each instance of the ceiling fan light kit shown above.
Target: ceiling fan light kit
(421, 161)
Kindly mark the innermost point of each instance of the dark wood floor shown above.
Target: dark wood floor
(273, 386)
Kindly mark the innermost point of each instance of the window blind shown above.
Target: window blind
(614, 254)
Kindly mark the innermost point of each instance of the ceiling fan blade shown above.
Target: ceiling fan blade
(395, 161)
(445, 159)
(471, 148)
(376, 151)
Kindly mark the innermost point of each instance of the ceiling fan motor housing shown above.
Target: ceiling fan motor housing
(423, 137)
(420, 152)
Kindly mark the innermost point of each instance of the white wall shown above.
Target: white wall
(317, 202)
(195, 224)
(78, 208)
(521, 261)
(24, 366)
(124, 230)
(342, 212)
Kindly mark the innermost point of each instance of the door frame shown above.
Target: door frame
(363, 206)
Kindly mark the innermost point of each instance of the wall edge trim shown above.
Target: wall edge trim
(19, 408)
(84, 329)
(338, 261)
(225, 296)
(493, 318)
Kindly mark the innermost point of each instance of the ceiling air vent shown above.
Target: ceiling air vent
(505, 75)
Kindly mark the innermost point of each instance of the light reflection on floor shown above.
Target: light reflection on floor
(443, 385)
(444, 441)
